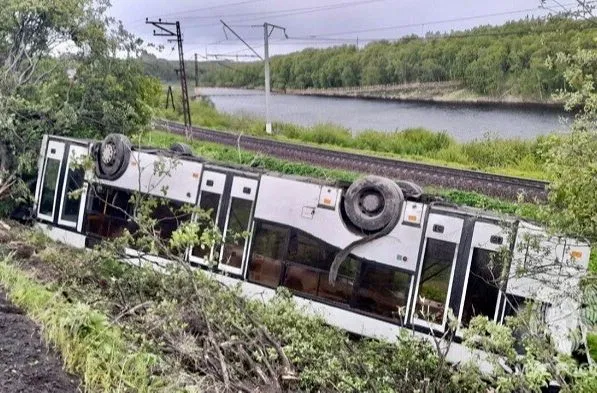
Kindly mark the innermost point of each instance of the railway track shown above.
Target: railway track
(507, 187)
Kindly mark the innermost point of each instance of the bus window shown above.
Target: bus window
(168, 215)
(435, 280)
(342, 289)
(307, 250)
(48, 192)
(308, 268)
(109, 212)
(209, 202)
(482, 290)
(383, 291)
(513, 305)
(268, 251)
(238, 223)
(71, 205)
(302, 279)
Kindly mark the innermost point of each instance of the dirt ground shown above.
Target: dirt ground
(26, 363)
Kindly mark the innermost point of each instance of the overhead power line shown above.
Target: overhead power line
(583, 5)
(283, 11)
(298, 41)
(304, 40)
(252, 16)
(237, 56)
(187, 11)
(429, 23)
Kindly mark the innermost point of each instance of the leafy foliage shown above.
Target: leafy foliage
(490, 60)
(86, 92)
(571, 162)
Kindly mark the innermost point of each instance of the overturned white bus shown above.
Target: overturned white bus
(407, 260)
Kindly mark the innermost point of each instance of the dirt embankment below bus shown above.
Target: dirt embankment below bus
(449, 93)
(27, 365)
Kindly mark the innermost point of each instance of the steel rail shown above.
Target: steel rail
(508, 187)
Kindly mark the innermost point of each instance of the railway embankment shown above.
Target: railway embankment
(507, 187)
(514, 158)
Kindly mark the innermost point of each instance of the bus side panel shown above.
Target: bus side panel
(298, 204)
(548, 269)
(161, 177)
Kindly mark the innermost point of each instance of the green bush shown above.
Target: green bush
(418, 141)
(494, 152)
(327, 134)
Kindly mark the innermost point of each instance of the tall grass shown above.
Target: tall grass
(506, 156)
(231, 155)
(90, 345)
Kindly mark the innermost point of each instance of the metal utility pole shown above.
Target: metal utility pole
(166, 32)
(170, 96)
(268, 29)
(268, 121)
(196, 71)
(196, 92)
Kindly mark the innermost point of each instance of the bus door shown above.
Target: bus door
(62, 190)
(210, 200)
(436, 271)
(482, 293)
(48, 183)
(234, 251)
(74, 190)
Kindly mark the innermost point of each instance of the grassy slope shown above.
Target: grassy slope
(510, 157)
(90, 345)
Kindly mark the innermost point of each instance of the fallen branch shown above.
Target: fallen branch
(132, 310)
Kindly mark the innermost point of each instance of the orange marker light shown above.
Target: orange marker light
(195, 175)
(576, 254)
(327, 201)
(412, 218)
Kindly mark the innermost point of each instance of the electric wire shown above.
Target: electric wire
(409, 25)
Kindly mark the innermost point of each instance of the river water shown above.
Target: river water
(463, 122)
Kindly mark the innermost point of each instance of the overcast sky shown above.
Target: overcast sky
(312, 23)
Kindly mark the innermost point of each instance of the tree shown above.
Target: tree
(488, 59)
(572, 162)
(87, 91)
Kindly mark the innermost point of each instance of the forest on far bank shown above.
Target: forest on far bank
(511, 59)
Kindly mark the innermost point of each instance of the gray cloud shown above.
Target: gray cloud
(336, 23)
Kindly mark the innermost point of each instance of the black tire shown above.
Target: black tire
(373, 202)
(113, 156)
(182, 149)
(410, 189)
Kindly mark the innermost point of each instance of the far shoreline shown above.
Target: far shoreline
(440, 93)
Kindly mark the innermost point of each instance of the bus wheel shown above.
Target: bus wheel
(373, 202)
(113, 156)
(182, 149)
